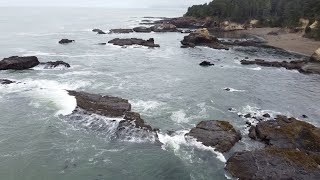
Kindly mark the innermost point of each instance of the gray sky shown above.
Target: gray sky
(106, 3)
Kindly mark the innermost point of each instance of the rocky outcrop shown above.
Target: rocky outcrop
(186, 22)
(165, 28)
(218, 134)
(142, 29)
(19, 63)
(98, 31)
(202, 37)
(273, 164)
(65, 41)
(134, 41)
(303, 66)
(231, 26)
(6, 81)
(206, 63)
(316, 56)
(120, 31)
(52, 65)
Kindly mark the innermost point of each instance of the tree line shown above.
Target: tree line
(274, 13)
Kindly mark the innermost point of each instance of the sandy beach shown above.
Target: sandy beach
(288, 41)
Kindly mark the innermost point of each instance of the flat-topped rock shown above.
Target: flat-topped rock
(142, 29)
(102, 105)
(121, 31)
(165, 28)
(65, 41)
(202, 37)
(218, 134)
(134, 41)
(273, 164)
(19, 63)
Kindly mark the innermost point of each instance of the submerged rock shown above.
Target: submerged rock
(98, 31)
(206, 63)
(65, 41)
(202, 37)
(134, 41)
(19, 63)
(121, 31)
(273, 164)
(6, 81)
(218, 134)
(142, 29)
(52, 65)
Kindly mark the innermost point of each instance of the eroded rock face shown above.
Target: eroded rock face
(134, 41)
(65, 41)
(316, 56)
(6, 81)
(273, 164)
(218, 134)
(52, 65)
(19, 63)
(202, 37)
(121, 31)
(303, 66)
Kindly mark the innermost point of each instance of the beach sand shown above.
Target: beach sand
(288, 41)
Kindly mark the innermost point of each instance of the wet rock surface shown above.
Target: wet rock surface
(303, 66)
(19, 63)
(273, 164)
(202, 37)
(52, 65)
(218, 134)
(66, 41)
(206, 63)
(134, 41)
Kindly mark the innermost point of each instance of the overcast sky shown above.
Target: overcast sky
(105, 3)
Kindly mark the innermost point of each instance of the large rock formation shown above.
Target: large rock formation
(202, 37)
(273, 164)
(316, 56)
(19, 63)
(134, 41)
(185, 22)
(218, 134)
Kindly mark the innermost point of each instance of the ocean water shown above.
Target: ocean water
(165, 85)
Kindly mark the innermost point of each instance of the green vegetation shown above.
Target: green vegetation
(274, 13)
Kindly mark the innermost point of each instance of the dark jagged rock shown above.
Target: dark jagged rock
(266, 115)
(206, 63)
(165, 28)
(291, 133)
(303, 66)
(65, 41)
(273, 164)
(202, 37)
(133, 120)
(218, 134)
(120, 31)
(142, 29)
(52, 65)
(186, 22)
(6, 81)
(304, 116)
(98, 31)
(227, 89)
(103, 105)
(134, 41)
(252, 133)
(19, 63)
